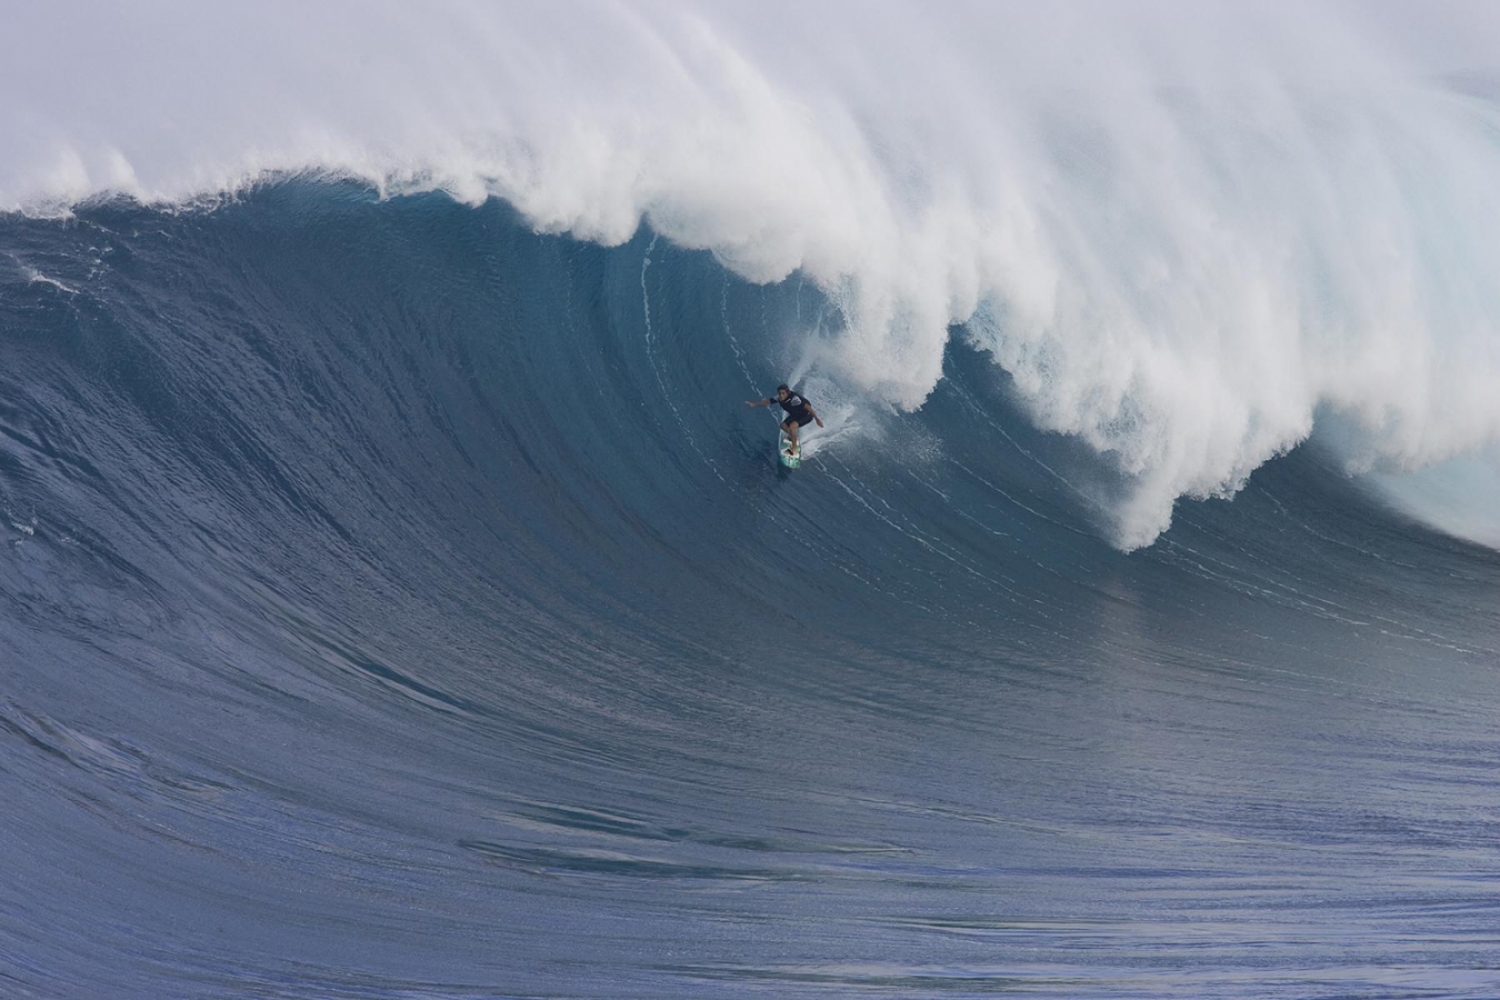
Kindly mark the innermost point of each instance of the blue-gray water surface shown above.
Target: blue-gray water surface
(396, 603)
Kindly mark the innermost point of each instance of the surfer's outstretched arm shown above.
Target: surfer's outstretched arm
(753, 403)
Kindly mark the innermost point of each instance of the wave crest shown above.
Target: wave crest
(1184, 234)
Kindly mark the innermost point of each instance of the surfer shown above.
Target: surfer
(798, 413)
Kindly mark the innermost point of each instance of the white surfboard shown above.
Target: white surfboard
(783, 446)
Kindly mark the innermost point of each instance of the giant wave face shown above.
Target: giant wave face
(399, 602)
(398, 598)
(1186, 233)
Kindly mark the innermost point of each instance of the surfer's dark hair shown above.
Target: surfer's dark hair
(783, 386)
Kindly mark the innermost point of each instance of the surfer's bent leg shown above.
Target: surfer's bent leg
(792, 427)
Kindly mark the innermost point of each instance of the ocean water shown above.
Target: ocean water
(398, 599)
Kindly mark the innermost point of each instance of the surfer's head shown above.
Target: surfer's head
(783, 391)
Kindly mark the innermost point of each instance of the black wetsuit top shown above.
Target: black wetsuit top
(796, 407)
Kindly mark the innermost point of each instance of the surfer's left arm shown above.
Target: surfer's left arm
(815, 416)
